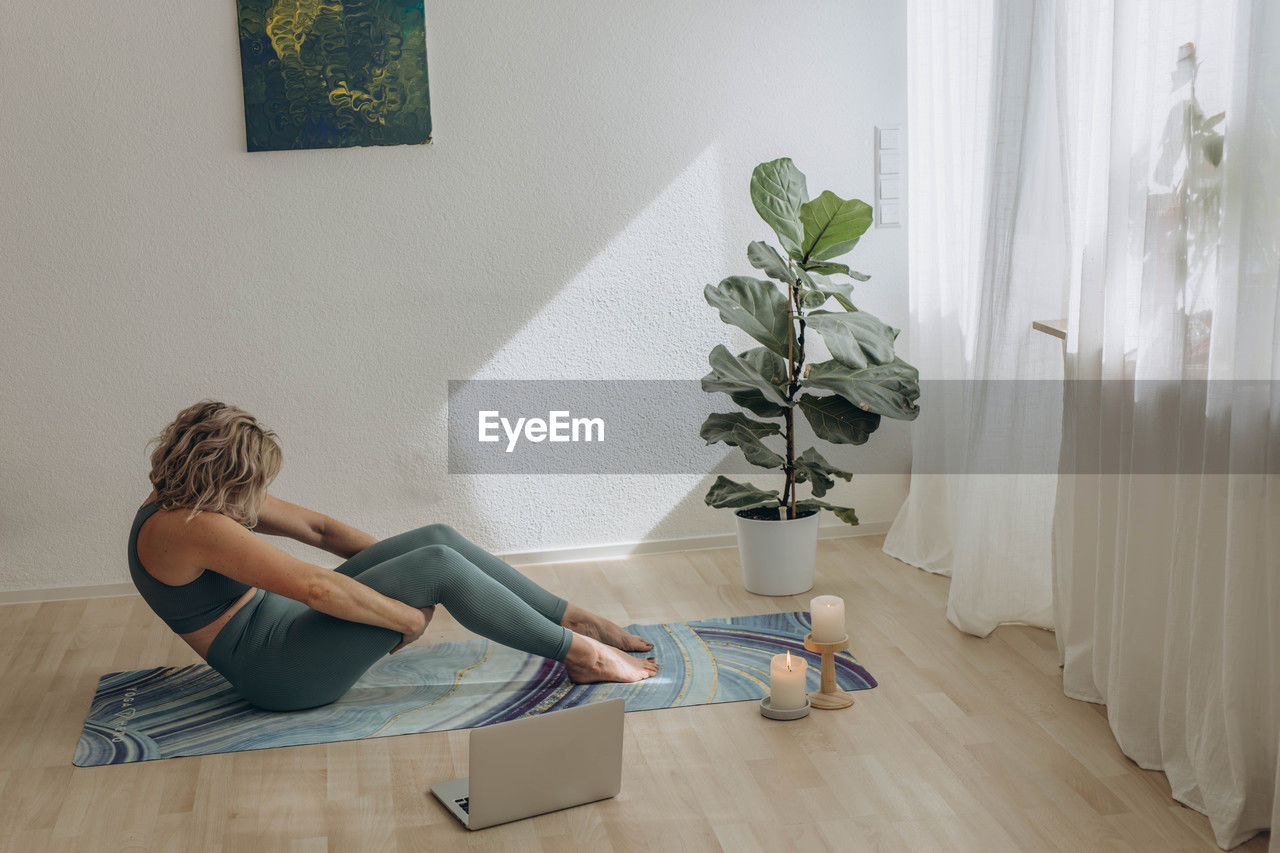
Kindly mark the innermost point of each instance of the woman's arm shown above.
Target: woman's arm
(343, 539)
(213, 541)
(281, 518)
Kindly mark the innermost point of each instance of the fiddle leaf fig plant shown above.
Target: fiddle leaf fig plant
(843, 398)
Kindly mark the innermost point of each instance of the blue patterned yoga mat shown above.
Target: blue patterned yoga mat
(191, 710)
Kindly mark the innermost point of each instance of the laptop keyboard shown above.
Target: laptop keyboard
(464, 803)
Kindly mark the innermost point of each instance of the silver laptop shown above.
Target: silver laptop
(539, 764)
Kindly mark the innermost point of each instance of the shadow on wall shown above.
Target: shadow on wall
(550, 138)
(527, 183)
(665, 331)
(587, 176)
(686, 188)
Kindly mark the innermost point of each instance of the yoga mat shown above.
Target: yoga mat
(171, 711)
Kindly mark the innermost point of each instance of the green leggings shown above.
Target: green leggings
(281, 655)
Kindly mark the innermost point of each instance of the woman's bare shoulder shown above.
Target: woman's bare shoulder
(168, 542)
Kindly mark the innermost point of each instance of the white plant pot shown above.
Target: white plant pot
(778, 556)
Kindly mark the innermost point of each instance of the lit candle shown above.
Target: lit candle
(828, 618)
(787, 681)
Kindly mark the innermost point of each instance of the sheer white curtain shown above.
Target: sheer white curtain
(1068, 159)
(1167, 571)
(987, 257)
(1116, 162)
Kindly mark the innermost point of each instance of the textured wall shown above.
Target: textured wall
(588, 176)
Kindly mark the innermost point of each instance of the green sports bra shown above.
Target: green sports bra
(183, 608)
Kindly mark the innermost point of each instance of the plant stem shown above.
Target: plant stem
(795, 361)
(788, 468)
(789, 499)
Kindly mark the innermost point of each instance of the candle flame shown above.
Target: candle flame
(788, 660)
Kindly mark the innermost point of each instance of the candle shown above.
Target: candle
(828, 618)
(787, 675)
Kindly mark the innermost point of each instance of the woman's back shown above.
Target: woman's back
(184, 608)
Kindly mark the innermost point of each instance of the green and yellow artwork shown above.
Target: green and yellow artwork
(334, 73)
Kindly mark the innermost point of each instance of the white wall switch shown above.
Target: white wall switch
(890, 162)
(890, 200)
(888, 138)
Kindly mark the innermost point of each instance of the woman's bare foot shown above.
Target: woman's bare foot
(598, 628)
(590, 660)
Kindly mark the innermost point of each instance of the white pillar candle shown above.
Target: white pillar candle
(828, 618)
(787, 674)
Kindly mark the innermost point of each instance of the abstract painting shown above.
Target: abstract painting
(334, 73)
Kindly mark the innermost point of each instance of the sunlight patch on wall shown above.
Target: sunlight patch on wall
(636, 309)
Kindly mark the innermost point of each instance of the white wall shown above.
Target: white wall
(588, 175)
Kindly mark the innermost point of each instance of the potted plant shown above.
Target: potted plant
(842, 398)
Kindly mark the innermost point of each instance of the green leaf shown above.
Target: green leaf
(844, 513)
(778, 191)
(725, 493)
(719, 423)
(832, 226)
(857, 338)
(772, 367)
(842, 292)
(832, 268)
(838, 421)
(738, 430)
(755, 402)
(828, 268)
(887, 389)
(757, 307)
(766, 259)
(812, 299)
(730, 374)
(811, 467)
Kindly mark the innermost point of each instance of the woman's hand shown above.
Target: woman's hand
(408, 637)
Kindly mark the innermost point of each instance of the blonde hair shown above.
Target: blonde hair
(215, 458)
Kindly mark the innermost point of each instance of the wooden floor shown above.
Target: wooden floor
(967, 744)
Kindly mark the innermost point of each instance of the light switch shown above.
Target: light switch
(889, 138)
(889, 153)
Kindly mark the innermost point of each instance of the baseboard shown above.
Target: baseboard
(523, 558)
(667, 546)
(63, 593)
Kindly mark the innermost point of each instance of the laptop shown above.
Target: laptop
(539, 764)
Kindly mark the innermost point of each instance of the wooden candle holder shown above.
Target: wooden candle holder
(829, 697)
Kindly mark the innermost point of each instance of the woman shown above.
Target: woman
(289, 634)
